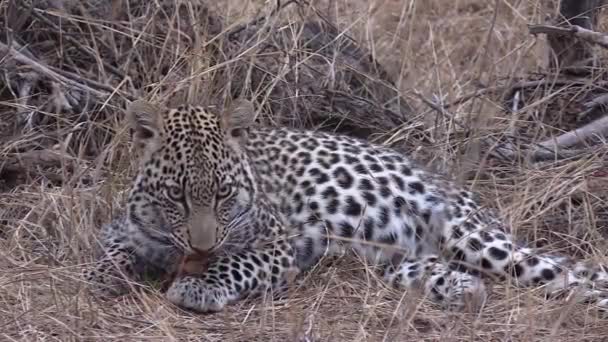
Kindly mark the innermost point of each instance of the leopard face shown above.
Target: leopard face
(192, 183)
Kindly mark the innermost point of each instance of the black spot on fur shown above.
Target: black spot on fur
(498, 253)
(485, 236)
(332, 206)
(500, 236)
(361, 169)
(397, 180)
(343, 177)
(458, 253)
(474, 244)
(376, 168)
(456, 233)
(385, 191)
(353, 208)
(236, 275)
(248, 266)
(347, 229)
(406, 170)
(416, 187)
(370, 198)
(548, 274)
(516, 270)
(426, 216)
(349, 159)
(329, 192)
(388, 239)
(369, 227)
(407, 230)
(384, 217)
(320, 176)
(486, 264)
(366, 184)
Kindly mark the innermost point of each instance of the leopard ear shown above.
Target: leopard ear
(146, 121)
(237, 118)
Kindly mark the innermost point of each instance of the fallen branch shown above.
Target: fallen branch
(36, 163)
(597, 128)
(544, 151)
(536, 153)
(44, 158)
(48, 72)
(10, 174)
(524, 85)
(574, 30)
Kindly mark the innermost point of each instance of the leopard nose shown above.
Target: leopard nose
(202, 238)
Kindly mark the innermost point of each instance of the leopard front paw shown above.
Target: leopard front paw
(194, 294)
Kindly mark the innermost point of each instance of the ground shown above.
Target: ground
(434, 49)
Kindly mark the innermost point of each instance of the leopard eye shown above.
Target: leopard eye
(224, 191)
(175, 193)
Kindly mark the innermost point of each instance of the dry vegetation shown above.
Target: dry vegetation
(65, 163)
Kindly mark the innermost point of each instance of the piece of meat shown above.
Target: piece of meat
(194, 264)
(190, 265)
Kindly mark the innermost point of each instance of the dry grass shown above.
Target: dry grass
(53, 201)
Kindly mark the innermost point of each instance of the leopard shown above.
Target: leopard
(269, 203)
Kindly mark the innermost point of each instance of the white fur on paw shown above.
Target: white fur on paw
(460, 291)
(196, 296)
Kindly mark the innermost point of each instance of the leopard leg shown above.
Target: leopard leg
(494, 252)
(452, 289)
(115, 263)
(232, 276)
(110, 275)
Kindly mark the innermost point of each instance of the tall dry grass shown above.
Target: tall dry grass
(71, 164)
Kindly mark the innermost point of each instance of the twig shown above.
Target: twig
(107, 88)
(508, 151)
(574, 30)
(598, 128)
(522, 85)
(39, 67)
(440, 109)
(77, 45)
(30, 163)
(45, 157)
(536, 153)
(598, 101)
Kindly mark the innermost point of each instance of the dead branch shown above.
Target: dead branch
(36, 163)
(597, 128)
(535, 153)
(508, 151)
(523, 85)
(44, 158)
(574, 31)
(48, 72)
(591, 106)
